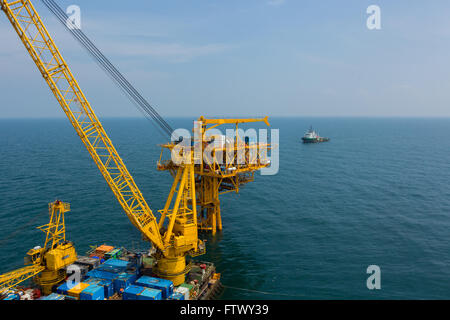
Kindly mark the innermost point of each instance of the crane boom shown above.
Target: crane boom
(42, 49)
(13, 278)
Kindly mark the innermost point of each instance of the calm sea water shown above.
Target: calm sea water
(377, 193)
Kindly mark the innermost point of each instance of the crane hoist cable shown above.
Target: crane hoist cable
(135, 97)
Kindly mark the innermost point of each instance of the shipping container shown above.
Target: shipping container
(166, 286)
(117, 263)
(96, 273)
(53, 296)
(75, 291)
(113, 254)
(98, 257)
(123, 281)
(111, 268)
(176, 296)
(184, 291)
(13, 296)
(108, 285)
(187, 285)
(91, 263)
(104, 249)
(150, 294)
(66, 286)
(63, 289)
(132, 292)
(92, 281)
(93, 292)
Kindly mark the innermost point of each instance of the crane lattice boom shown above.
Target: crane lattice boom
(62, 83)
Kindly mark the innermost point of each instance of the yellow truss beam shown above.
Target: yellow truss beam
(45, 54)
(13, 278)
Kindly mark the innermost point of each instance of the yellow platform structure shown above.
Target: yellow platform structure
(231, 164)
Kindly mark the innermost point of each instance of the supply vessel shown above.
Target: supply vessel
(168, 269)
(311, 136)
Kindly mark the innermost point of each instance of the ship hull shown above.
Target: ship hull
(315, 140)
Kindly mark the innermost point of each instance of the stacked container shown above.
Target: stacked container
(64, 288)
(184, 291)
(100, 252)
(166, 286)
(176, 296)
(93, 292)
(150, 294)
(53, 296)
(117, 263)
(188, 286)
(75, 291)
(113, 254)
(132, 292)
(123, 281)
(106, 284)
(89, 262)
(102, 273)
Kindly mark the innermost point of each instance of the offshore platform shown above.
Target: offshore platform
(193, 205)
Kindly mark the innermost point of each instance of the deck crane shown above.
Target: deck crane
(46, 264)
(172, 243)
(175, 235)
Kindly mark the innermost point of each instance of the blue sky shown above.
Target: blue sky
(246, 58)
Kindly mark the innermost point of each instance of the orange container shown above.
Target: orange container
(75, 291)
(104, 249)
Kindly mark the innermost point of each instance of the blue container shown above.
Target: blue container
(98, 258)
(108, 286)
(123, 265)
(166, 286)
(65, 287)
(117, 263)
(101, 274)
(150, 294)
(176, 296)
(12, 296)
(123, 281)
(93, 292)
(132, 292)
(54, 296)
(93, 281)
(111, 268)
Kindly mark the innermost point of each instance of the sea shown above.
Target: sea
(377, 194)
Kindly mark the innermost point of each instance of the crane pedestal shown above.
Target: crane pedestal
(47, 279)
(173, 269)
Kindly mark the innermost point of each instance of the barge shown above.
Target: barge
(109, 273)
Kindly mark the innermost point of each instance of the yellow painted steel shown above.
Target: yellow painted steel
(47, 263)
(217, 176)
(56, 73)
(14, 278)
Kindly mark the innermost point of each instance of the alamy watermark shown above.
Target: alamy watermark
(73, 17)
(374, 280)
(374, 20)
(228, 150)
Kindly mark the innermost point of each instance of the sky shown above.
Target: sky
(236, 58)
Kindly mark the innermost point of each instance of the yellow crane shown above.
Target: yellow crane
(180, 237)
(175, 235)
(46, 264)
